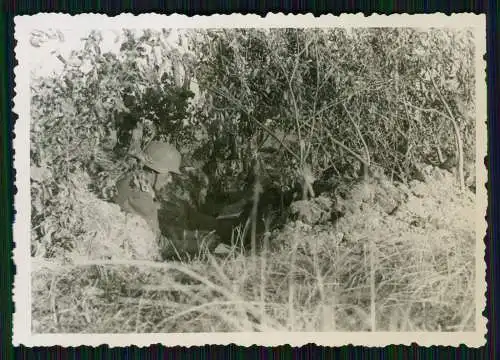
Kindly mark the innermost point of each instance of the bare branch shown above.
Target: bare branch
(261, 125)
(360, 135)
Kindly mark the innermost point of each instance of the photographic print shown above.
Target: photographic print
(250, 180)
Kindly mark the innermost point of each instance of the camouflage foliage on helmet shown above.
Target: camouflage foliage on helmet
(180, 201)
(190, 187)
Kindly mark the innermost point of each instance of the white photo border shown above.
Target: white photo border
(21, 145)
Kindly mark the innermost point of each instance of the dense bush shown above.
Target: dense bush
(326, 100)
(379, 95)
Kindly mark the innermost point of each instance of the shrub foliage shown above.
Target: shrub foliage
(327, 100)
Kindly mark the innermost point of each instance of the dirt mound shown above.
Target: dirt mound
(377, 194)
(438, 204)
(417, 239)
(314, 211)
(97, 229)
(115, 234)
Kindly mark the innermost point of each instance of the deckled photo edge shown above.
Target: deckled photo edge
(22, 293)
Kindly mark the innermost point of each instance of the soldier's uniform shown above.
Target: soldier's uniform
(134, 195)
(183, 227)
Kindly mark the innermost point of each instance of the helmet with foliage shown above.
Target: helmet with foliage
(162, 157)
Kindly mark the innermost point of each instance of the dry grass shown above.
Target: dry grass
(409, 271)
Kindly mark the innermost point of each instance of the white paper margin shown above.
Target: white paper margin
(21, 230)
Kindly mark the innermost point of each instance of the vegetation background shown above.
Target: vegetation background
(397, 103)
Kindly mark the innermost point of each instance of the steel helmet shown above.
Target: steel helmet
(162, 157)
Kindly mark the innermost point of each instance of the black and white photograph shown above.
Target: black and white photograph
(250, 180)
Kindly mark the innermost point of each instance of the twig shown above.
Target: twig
(373, 291)
(291, 286)
(429, 110)
(335, 141)
(263, 267)
(367, 164)
(247, 305)
(292, 94)
(315, 102)
(262, 126)
(256, 194)
(458, 138)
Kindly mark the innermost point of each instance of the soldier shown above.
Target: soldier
(136, 191)
(169, 201)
